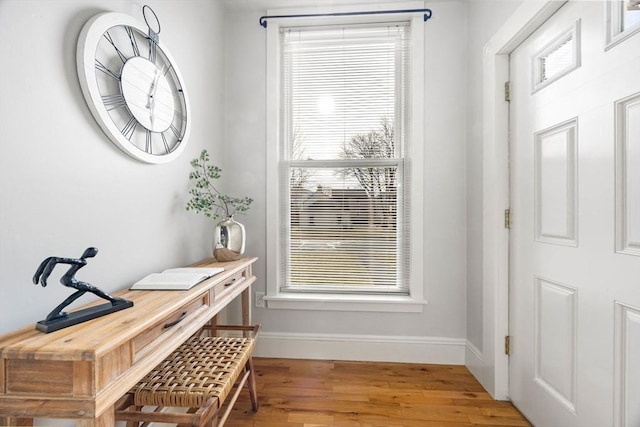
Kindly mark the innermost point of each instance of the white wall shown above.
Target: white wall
(323, 333)
(64, 186)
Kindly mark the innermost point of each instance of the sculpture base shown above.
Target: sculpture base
(80, 316)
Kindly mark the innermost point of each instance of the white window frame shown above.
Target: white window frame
(275, 299)
(614, 35)
(572, 33)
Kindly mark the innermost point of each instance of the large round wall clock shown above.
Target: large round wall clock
(133, 86)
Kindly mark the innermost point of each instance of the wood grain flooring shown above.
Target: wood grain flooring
(310, 393)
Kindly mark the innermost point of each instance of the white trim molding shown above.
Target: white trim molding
(473, 359)
(346, 302)
(493, 372)
(555, 225)
(627, 143)
(626, 364)
(368, 348)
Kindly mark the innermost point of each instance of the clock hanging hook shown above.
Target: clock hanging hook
(153, 34)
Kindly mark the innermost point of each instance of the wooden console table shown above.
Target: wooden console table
(81, 371)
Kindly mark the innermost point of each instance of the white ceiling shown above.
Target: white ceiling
(276, 4)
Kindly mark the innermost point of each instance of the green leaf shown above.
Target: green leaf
(205, 197)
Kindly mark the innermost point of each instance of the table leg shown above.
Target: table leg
(246, 308)
(107, 419)
(212, 324)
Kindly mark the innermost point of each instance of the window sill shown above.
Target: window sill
(333, 302)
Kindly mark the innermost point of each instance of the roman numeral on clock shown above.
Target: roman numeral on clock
(101, 67)
(134, 42)
(111, 102)
(129, 128)
(107, 36)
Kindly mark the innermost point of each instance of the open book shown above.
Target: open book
(178, 279)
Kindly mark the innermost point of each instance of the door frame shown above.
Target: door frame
(493, 368)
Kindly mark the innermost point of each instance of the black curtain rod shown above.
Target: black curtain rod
(427, 14)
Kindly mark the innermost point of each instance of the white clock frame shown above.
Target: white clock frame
(88, 41)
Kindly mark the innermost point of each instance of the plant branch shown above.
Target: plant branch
(205, 197)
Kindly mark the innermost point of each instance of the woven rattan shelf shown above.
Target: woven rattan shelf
(200, 374)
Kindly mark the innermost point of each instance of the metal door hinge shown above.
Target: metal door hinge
(507, 345)
(507, 218)
(507, 91)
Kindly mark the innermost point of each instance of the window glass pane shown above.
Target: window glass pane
(630, 17)
(344, 92)
(339, 83)
(558, 60)
(344, 226)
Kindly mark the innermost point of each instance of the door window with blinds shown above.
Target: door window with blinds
(344, 213)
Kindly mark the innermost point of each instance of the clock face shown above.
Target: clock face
(133, 88)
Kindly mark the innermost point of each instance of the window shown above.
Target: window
(558, 58)
(342, 187)
(622, 20)
(344, 92)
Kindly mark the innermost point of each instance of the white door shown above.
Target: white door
(574, 309)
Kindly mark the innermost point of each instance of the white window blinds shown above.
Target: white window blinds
(344, 102)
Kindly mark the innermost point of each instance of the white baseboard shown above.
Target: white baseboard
(473, 362)
(368, 348)
(473, 356)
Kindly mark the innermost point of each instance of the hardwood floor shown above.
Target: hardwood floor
(310, 393)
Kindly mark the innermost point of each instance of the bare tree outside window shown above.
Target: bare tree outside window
(378, 182)
(300, 176)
